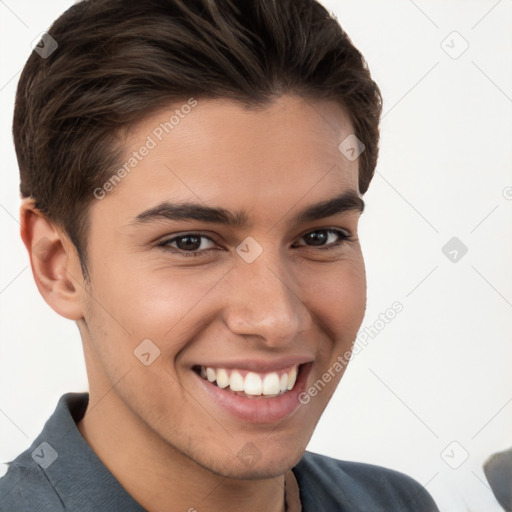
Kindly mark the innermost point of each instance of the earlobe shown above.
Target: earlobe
(54, 262)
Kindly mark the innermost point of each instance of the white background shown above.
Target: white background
(439, 372)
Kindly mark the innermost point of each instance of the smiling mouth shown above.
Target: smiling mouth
(251, 384)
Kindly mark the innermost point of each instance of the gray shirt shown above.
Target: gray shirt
(60, 472)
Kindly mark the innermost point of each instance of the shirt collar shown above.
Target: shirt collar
(82, 481)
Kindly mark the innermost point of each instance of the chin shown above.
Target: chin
(252, 465)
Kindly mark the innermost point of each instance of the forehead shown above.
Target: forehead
(221, 153)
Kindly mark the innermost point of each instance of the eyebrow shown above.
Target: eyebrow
(346, 202)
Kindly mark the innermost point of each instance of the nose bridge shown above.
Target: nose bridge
(263, 300)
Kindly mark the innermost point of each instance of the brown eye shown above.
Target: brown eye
(325, 238)
(188, 243)
(191, 243)
(316, 238)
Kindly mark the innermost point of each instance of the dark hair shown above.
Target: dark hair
(119, 60)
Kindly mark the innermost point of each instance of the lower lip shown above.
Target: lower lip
(258, 410)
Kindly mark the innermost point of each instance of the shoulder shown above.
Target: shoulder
(326, 482)
(28, 484)
(25, 488)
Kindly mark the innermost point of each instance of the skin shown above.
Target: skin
(152, 426)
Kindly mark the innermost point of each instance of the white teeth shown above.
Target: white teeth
(254, 384)
(283, 383)
(222, 378)
(292, 377)
(271, 384)
(210, 374)
(236, 382)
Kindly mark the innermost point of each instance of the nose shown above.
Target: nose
(264, 300)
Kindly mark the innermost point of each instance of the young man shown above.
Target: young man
(192, 174)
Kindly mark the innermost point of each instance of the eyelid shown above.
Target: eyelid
(344, 235)
(168, 240)
(334, 229)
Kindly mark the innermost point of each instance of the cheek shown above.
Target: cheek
(136, 330)
(339, 297)
(338, 304)
(158, 303)
(145, 296)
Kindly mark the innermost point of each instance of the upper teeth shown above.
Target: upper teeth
(252, 383)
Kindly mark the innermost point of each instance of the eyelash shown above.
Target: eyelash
(343, 236)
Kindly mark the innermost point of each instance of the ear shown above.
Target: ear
(54, 261)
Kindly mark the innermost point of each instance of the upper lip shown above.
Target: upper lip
(258, 365)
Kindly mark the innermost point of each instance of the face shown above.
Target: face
(223, 285)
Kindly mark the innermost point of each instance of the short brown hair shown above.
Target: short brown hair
(119, 60)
